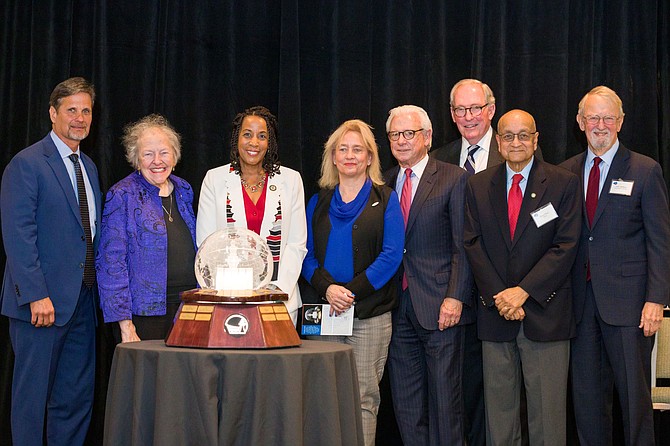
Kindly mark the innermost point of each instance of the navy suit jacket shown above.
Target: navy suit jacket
(434, 260)
(628, 244)
(42, 232)
(539, 259)
(451, 153)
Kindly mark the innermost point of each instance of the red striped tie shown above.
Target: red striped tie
(592, 190)
(405, 204)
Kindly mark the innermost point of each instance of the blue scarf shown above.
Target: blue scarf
(345, 212)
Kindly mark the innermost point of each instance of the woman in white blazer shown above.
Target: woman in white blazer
(255, 193)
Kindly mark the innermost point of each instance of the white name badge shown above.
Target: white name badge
(544, 215)
(622, 187)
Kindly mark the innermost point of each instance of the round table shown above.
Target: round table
(184, 396)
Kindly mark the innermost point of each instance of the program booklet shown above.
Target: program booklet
(316, 321)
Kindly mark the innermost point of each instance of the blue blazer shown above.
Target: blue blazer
(42, 231)
(539, 259)
(629, 242)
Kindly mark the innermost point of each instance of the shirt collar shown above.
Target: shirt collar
(606, 157)
(418, 168)
(483, 143)
(62, 148)
(524, 172)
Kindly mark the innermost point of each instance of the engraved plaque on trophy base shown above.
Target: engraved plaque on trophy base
(233, 319)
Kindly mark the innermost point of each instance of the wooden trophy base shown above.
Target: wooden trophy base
(233, 319)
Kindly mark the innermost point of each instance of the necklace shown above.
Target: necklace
(169, 213)
(253, 187)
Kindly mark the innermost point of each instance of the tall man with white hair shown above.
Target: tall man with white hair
(620, 278)
(473, 106)
(426, 351)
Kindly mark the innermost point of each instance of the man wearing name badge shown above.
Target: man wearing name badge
(50, 204)
(426, 351)
(620, 277)
(473, 106)
(521, 232)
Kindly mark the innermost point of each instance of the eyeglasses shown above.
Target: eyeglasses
(475, 110)
(408, 134)
(523, 136)
(595, 119)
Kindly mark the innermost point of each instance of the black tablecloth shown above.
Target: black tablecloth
(161, 395)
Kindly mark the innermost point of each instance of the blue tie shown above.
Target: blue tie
(470, 160)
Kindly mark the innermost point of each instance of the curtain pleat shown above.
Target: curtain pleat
(315, 64)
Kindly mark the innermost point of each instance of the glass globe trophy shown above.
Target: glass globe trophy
(235, 307)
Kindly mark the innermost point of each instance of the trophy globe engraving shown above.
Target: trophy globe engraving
(233, 259)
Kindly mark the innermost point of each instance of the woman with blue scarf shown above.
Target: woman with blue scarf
(355, 239)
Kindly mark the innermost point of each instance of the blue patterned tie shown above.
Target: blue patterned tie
(470, 160)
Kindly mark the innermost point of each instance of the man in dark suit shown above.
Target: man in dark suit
(50, 204)
(521, 231)
(426, 351)
(620, 277)
(472, 108)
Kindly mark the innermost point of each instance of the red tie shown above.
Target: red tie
(405, 204)
(592, 200)
(514, 203)
(592, 190)
(406, 195)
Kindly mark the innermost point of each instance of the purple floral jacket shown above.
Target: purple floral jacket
(132, 257)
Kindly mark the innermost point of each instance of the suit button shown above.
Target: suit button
(81, 265)
(404, 250)
(83, 238)
(590, 239)
(355, 226)
(356, 249)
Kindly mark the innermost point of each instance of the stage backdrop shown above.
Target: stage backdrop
(318, 63)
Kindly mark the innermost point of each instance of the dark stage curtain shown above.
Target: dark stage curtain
(315, 64)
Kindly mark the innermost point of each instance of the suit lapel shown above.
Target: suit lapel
(92, 174)
(618, 169)
(494, 155)
(535, 190)
(578, 169)
(498, 200)
(454, 152)
(60, 172)
(422, 191)
(272, 212)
